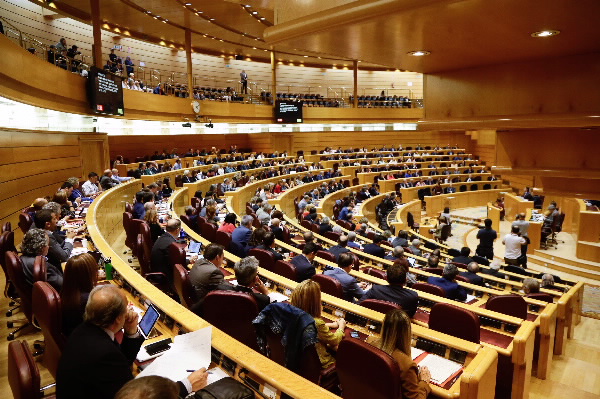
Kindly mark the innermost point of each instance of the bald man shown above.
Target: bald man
(93, 365)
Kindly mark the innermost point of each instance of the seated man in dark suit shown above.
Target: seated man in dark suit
(35, 243)
(159, 256)
(471, 274)
(397, 253)
(464, 256)
(493, 270)
(241, 235)
(189, 212)
(138, 207)
(276, 229)
(246, 274)
(205, 274)
(303, 262)
(58, 252)
(308, 236)
(340, 248)
(451, 287)
(395, 291)
(401, 240)
(93, 365)
(375, 248)
(352, 289)
(269, 245)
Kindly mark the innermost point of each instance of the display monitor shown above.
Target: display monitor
(105, 92)
(288, 111)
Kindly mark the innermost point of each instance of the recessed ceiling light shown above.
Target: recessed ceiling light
(504, 119)
(247, 5)
(254, 12)
(262, 18)
(188, 4)
(594, 116)
(212, 19)
(419, 53)
(305, 56)
(545, 33)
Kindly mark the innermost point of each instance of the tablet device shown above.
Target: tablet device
(148, 321)
(194, 247)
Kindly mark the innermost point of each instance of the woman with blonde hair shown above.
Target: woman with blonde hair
(80, 276)
(307, 296)
(151, 217)
(395, 340)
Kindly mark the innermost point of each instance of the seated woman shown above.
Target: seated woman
(81, 275)
(256, 239)
(151, 218)
(229, 224)
(395, 341)
(307, 296)
(211, 215)
(66, 207)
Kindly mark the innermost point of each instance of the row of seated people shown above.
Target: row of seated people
(382, 101)
(436, 150)
(213, 155)
(407, 157)
(308, 100)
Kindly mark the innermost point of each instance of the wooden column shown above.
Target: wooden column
(96, 32)
(188, 59)
(355, 93)
(273, 78)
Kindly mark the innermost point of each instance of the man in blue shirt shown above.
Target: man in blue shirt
(352, 290)
(346, 213)
(451, 287)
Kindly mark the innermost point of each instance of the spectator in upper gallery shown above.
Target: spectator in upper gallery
(129, 66)
(61, 45)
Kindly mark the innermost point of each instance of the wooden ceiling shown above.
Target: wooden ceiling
(458, 33)
(219, 27)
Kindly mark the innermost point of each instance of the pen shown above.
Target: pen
(191, 371)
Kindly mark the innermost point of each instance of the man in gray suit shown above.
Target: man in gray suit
(58, 252)
(205, 274)
(35, 243)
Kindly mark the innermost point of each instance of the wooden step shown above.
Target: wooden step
(563, 267)
(573, 261)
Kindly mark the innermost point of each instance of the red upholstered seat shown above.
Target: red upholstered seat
(47, 310)
(512, 305)
(430, 288)
(223, 238)
(25, 222)
(6, 227)
(265, 258)
(23, 373)
(359, 382)
(286, 269)
(327, 256)
(332, 236)
(208, 231)
(376, 272)
(128, 207)
(462, 278)
(14, 269)
(307, 224)
(455, 321)
(541, 297)
(130, 236)
(181, 281)
(433, 270)
(379, 305)
(177, 254)
(329, 285)
(237, 320)
(145, 232)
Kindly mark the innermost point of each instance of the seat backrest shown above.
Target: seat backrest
(223, 238)
(145, 232)
(541, 297)
(128, 207)
(143, 252)
(23, 373)
(47, 310)
(326, 255)
(130, 235)
(462, 278)
(286, 234)
(481, 260)
(25, 222)
(306, 224)
(376, 272)
(237, 320)
(430, 288)
(285, 269)
(176, 254)
(329, 285)
(14, 270)
(512, 305)
(183, 286)
(208, 231)
(455, 321)
(39, 268)
(357, 382)
(6, 227)
(379, 305)
(265, 258)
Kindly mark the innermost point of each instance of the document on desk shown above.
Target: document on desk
(415, 352)
(189, 351)
(441, 368)
(470, 298)
(275, 296)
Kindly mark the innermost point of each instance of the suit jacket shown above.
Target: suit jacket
(336, 250)
(349, 284)
(453, 290)
(138, 210)
(304, 268)
(159, 257)
(205, 277)
(473, 278)
(54, 275)
(492, 272)
(465, 260)
(241, 235)
(276, 255)
(407, 299)
(58, 252)
(278, 232)
(94, 366)
(374, 250)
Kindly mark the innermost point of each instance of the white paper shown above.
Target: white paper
(215, 374)
(189, 351)
(277, 297)
(415, 352)
(441, 368)
(470, 298)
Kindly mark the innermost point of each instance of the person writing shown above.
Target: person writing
(307, 296)
(93, 365)
(395, 341)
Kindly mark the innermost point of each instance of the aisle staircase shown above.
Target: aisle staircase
(579, 267)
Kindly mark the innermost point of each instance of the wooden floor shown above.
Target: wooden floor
(574, 375)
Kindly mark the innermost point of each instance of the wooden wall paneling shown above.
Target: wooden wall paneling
(589, 227)
(94, 154)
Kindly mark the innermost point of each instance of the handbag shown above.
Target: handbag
(225, 388)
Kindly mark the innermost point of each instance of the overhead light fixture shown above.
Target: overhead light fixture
(188, 4)
(594, 116)
(504, 119)
(419, 53)
(545, 33)
(247, 5)
(254, 12)
(262, 18)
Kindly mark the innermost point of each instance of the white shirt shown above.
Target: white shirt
(513, 245)
(89, 188)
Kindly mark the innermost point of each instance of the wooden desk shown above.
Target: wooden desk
(513, 205)
(436, 204)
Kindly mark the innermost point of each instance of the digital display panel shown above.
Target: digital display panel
(288, 111)
(105, 92)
